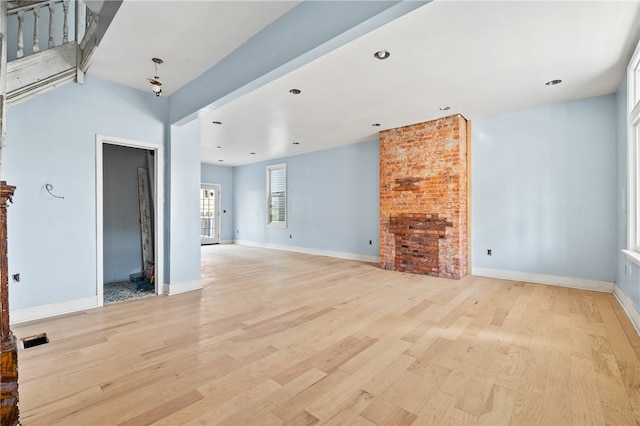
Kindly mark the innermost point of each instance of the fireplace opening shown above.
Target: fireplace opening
(416, 238)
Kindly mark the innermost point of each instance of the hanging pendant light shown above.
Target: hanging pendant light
(156, 83)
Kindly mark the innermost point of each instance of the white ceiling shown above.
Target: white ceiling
(480, 58)
(204, 33)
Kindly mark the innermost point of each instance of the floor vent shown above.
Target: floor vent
(37, 340)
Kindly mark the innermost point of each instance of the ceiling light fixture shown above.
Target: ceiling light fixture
(220, 161)
(252, 153)
(295, 91)
(553, 82)
(156, 83)
(444, 108)
(216, 122)
(381, 54)
(218, 147)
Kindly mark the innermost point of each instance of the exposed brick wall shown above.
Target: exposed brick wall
(423, 198)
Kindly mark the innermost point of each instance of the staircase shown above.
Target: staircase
(69, 29)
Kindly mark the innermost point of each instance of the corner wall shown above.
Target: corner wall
(332, 203)
(184, 210)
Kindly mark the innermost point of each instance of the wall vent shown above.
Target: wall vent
(36, 340)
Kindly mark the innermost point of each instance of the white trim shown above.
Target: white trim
(579, 283)
(51, 309)
(99, 222)
(177, 288)
(628, 307)
(633, 166)
(632, 68)
(226, 241)
(633, 256)
(158, 208)
(306, 250)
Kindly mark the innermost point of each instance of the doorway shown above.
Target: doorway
(129, 187)
(209, 213)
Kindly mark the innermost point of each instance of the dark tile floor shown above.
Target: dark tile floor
(124, 290)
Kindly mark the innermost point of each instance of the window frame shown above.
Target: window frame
(633, 157)
(269, 169)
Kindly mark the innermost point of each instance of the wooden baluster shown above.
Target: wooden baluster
(36, 29)
(65, 27)
(51, 12)
(20, 53)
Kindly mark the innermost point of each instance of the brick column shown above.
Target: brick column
(423, 178)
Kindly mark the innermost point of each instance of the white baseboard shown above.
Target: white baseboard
(306, 250)
(52, 309)
(628, 307)
(226, 241)
(177, 288)
(579, 283)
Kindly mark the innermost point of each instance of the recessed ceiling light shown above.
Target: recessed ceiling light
(445, 108)
(296, 143)
(252, 153)
(381, 54)
(216, 122)
(553, 82)
(295, 91)
(376, 125)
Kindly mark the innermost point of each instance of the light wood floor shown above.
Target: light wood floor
(286, 338)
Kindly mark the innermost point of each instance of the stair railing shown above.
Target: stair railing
(48, 59)
(34, 9)
(37, 12)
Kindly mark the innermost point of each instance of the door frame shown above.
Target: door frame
(158, 209)
(218, 188)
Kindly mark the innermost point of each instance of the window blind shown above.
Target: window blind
(277, 196)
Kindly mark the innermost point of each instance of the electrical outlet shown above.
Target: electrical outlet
(16, 278)
(488, 252)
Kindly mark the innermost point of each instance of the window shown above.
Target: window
(277, 195)
(633, 158)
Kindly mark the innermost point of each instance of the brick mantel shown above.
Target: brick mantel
(423, 198)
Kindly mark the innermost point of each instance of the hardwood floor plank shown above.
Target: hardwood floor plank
(400, 417)
(586, 406)
(287, 338)
(161, 411)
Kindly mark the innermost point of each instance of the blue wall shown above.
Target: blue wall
(210, 173)
(544, 190)
(184, 188)
(333, 201)
(52, 139)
